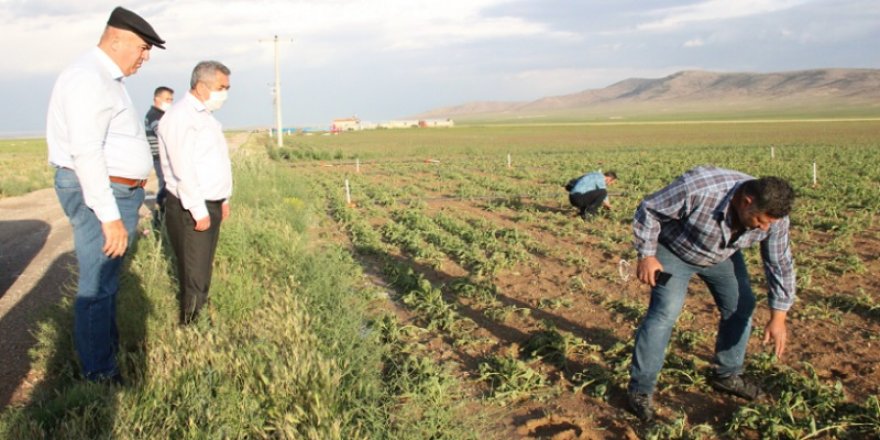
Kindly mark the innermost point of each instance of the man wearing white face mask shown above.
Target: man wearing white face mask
(162, 99)
(198, 175)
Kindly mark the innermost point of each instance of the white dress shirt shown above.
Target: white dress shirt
(93, 128)
(194, 156)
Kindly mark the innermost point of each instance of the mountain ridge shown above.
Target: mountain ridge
(694, 91)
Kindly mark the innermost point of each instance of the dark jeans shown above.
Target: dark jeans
(588, 202)
(94, 312)
(195, 254)
(728, 281)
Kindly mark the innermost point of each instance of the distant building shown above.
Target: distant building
(429, 123)
(400, 124)
(355, 124)
(345, 124)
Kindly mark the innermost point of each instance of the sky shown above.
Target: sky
(388, 59)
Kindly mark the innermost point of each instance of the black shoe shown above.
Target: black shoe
(641, 405)
(739, 386)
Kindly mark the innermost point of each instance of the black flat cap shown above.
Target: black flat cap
(122, 18)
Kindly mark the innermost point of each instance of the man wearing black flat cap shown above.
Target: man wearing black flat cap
(99, 148)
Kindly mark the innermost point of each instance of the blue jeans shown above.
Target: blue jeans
(728, 281)
(95, 334)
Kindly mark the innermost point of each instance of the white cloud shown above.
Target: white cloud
(713, 10)
(230, 30)
(695, 42)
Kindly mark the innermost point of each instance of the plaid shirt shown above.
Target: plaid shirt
(692, 217)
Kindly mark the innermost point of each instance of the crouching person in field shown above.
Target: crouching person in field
(198, 177)
(697, 226)
(588, 192)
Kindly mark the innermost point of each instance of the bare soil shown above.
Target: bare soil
(839, 343)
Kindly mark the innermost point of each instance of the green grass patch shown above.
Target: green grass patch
(285, 349)
(25, 166)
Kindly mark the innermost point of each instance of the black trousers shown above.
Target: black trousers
(194, 252)
(589, 202)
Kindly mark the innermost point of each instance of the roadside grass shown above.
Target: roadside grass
(286, 349)
(25, 167)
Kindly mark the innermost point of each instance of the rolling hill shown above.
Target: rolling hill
(695, 94)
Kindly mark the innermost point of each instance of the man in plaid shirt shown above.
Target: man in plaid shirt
(698, 225)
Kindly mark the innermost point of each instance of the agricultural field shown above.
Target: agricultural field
(25, 166)
(469, 233)
(451, 292)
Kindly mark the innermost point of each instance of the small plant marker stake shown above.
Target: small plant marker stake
(357, 165)
(772, 152)
(815, 177)
(508, 161)
(347, 193)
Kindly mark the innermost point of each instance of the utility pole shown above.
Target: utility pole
(277, 88)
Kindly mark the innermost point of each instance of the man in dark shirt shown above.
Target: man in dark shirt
(162, 99)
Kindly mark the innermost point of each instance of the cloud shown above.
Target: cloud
(696, 42)
(321, 31)
(713, 10)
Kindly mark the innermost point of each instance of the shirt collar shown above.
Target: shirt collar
(197, 105)
(104, 60)
(724, 213)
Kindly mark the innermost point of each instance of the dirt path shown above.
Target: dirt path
(36, 254)
(36, 260)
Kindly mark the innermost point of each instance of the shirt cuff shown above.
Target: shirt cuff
(646, 252)
(776, 304)
(199, 212)
(108, 213)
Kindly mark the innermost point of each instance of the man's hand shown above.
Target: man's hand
(775, 331)
(606, 205)
(203, 223)
(115, 238)
(226, 210)
(647, 269)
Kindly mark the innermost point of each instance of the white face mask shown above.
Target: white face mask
(164, 106)
(216, 100)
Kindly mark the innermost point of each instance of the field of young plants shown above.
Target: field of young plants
(492, 274)
(435, 284)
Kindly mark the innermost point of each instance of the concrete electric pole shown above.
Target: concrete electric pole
(278, 125)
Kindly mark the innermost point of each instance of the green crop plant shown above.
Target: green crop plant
(679, 429)
(510, 379)
(554, 346)
(861, 303)
(554, 303)
(806, 407)
(629, 310)
(689, 339)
